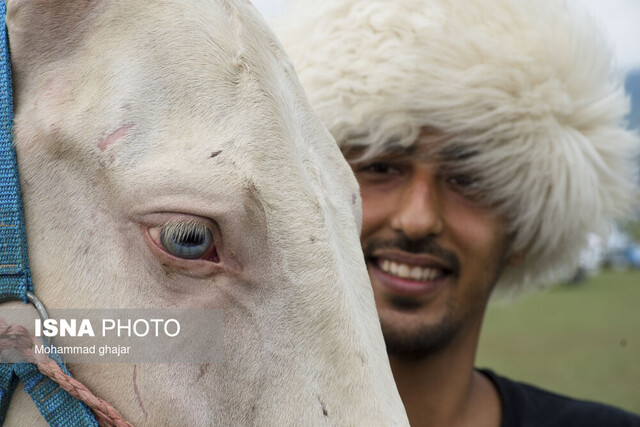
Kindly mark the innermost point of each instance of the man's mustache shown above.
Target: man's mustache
(426, 246)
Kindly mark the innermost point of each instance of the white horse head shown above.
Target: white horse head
(134, 114)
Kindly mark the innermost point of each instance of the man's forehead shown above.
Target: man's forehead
(442, 150)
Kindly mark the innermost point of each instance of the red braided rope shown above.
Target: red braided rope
(17, 337)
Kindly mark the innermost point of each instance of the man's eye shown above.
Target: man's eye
(380, 168)
(466, 186)
(187, 240)
(462, 181)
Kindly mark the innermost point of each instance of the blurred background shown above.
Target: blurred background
(581, 337)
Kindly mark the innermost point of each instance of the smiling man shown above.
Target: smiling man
(434, 250)
(488, 141)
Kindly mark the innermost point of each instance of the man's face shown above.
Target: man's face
(433, 251)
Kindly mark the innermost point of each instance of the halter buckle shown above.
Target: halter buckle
(40, 309)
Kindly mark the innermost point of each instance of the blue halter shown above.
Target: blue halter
(57, 406)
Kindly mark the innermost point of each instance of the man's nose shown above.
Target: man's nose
(419, 212)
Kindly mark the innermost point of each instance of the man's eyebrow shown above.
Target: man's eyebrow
(395, 151)
(458, 153)
(399, 150)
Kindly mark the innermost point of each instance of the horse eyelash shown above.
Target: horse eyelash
(179, 230)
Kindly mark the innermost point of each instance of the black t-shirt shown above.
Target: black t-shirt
(527, 406)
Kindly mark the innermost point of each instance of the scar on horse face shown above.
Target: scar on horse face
(114, 137)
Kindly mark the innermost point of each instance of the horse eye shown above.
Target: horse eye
(186, 240)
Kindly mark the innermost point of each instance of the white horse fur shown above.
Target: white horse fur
(126, 110)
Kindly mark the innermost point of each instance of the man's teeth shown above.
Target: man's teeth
(406, 271)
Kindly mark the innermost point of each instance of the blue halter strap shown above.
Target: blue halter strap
(57, 406)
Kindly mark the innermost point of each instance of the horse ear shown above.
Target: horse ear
(42, 31)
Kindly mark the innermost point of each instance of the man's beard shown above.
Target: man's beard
(422, 340)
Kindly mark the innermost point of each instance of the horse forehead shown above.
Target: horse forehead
(187, 41)
(205, 91)
(244, 100)
(213, 67)
(205, 73)
(200, 83)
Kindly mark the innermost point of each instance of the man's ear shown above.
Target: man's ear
(516, 259)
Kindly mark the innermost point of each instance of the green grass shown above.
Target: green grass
(582, 340)
(633, 228)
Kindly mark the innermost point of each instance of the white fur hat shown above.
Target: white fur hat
(527, 84)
